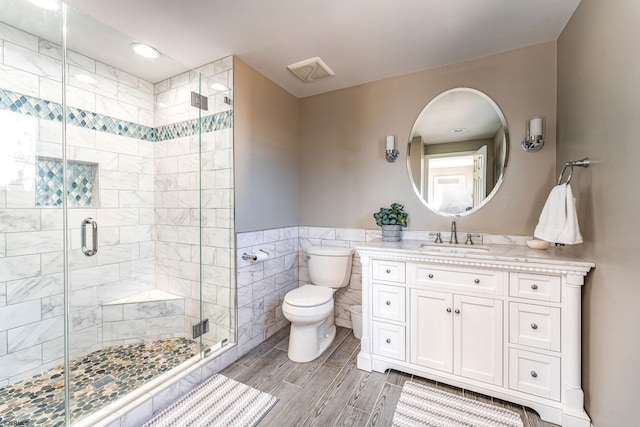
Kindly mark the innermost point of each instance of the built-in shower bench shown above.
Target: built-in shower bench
(147, 315)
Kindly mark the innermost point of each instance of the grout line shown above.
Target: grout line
(376, 402)
(354, 409)
(337, 378)
(295, 385)
(344, 408)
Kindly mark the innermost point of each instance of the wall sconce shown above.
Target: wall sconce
(534, 134)
(392, 153)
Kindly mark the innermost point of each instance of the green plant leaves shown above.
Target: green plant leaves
(391, 216)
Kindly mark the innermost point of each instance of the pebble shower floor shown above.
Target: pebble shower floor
(39, 400)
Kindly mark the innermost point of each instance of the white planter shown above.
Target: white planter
(391, 233)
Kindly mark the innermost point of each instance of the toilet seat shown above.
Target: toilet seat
(309, 296)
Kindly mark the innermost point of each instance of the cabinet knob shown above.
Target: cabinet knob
(534, 374)
(448, 309)
(388, 270)
(476, 281)
(430, 276)
(534, 326)
(388, 340)
(534, 286)
(457, 311)
(388, 302)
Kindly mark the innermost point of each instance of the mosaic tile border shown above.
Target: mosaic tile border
(48, 110)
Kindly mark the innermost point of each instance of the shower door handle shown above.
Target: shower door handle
(94, 233)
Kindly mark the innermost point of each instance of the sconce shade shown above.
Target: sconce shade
(534, 134)
(391, 153)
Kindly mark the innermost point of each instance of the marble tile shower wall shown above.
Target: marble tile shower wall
(31, 258)
(177, 214)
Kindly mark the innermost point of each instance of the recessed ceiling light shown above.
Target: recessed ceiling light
(458, 130)
(219, 86)
(84, 78)
(145, 50)
(46, 4)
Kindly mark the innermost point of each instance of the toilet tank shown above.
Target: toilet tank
(329, 267)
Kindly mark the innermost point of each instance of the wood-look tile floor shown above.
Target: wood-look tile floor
(331, 390)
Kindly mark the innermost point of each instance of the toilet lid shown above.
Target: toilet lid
(309, 296)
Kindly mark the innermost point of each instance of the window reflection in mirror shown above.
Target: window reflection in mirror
(458, 151)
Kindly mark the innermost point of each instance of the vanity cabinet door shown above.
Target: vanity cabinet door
(457, 334)
(431, 329)
(477, 337)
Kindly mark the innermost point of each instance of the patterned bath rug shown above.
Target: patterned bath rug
(423, 406)
(219, 401)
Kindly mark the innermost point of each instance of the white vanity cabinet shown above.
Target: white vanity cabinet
(504, 323)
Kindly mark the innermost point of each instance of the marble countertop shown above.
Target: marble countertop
(480, 253)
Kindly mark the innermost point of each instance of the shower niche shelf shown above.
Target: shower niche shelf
(82, 183)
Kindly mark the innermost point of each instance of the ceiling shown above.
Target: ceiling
(361, 40)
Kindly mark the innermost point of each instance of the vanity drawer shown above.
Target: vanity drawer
(389, 302)
(469, 279)
(534, 373)
(534, 326)
(535, 286)
(390, 271)
(389, 340)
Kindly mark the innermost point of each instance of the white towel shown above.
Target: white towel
(559, 220)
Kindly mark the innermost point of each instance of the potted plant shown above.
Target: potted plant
(391, 219)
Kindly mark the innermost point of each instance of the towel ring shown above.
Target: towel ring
(566, 165)
(583, 163)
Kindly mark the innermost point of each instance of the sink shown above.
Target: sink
(450, 248)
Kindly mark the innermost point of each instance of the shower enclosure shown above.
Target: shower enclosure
(116, 215)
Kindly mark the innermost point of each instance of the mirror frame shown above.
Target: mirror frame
(500, 180)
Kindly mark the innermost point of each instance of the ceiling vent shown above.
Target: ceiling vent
(311, 70)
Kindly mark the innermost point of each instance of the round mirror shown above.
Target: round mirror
(458, 151)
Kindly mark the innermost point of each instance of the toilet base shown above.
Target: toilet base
(307, 344)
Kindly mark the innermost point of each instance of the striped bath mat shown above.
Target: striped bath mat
(424, 406)
(219, 401)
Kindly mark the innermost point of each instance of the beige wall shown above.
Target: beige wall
(344, 176)
(266, 152)
(598, 111)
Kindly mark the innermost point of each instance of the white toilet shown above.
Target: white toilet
(309, 308)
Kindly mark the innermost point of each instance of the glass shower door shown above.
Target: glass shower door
(31, 217)
(218, 254)
(112, 151)
(133, 217)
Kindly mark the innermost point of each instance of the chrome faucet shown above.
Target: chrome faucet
(454, 234)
